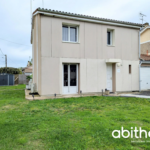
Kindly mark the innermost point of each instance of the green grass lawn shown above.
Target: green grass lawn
(16, 87)
(71, 123)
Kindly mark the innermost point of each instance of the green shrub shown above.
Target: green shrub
(10, 70)
(29, 77)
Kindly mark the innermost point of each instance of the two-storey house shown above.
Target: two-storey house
(74, 53)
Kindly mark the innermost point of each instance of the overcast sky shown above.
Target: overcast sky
(15, 22)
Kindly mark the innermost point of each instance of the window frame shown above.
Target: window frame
(69, 26)
(111, 37)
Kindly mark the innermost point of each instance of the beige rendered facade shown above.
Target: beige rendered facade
(94, 58)
(145, 35)
(145, 40)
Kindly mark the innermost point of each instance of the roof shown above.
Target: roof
(145, 57)
(29, 68)
(85, 16)
(148, 27)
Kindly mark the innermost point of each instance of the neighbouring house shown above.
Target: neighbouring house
(27, 70)
(145, 57)
(75, 53)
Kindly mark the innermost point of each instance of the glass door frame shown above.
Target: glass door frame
(69, 89)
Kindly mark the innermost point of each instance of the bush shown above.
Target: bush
(29, 77)
(10, 70)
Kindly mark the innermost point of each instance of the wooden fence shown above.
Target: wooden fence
(20, 79)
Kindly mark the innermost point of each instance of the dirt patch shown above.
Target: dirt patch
(36, 144)
(139, 123)
(23, 103)
(8, 107)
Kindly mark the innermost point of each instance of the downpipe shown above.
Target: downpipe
(140, 64)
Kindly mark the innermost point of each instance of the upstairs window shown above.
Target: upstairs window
(110, 37)
(69, 33)
(129, 69)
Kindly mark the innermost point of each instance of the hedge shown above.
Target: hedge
(10, 70)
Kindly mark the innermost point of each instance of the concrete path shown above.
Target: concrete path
(132, 95)
(38, 97)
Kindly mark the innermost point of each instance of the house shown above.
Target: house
(75, 53)
(145, 58)
(27, 70)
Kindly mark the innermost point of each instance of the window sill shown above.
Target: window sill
(70, 42)
(111, 45)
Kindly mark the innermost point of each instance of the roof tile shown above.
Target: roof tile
(145, 57)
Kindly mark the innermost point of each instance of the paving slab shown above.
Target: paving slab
(38, 97)
(133, 95)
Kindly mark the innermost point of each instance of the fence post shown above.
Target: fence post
(8, 78)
